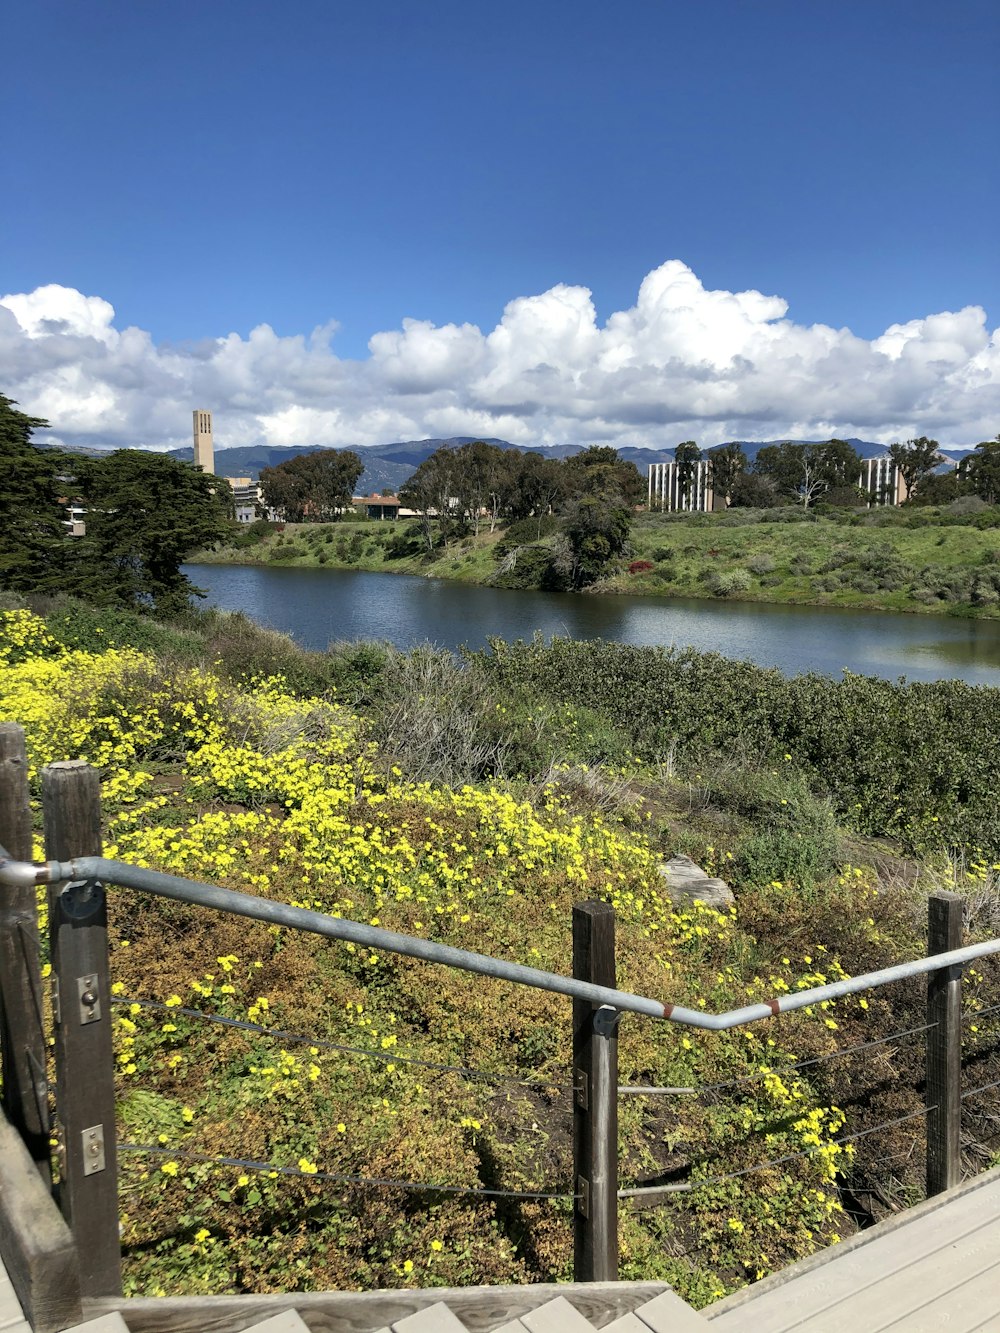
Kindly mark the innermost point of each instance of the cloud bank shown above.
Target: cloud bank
(683, 362)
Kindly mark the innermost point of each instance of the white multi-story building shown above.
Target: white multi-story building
(672, 489)
(882, 481)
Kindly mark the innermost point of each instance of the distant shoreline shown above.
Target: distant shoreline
(934, 569)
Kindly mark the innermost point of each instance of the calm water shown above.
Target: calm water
(317, 606)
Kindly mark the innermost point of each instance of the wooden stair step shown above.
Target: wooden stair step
(889, 1272)
(556, 1316)
(626, 1323)
(286, 1322)
(665, 1313)
(433, 1319)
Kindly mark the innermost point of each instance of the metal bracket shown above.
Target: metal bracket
(56, 1006)
(606, 1020)
(581, 1089)
(81, 898)
(93, 1149)
(583, 1196)
(89, 998)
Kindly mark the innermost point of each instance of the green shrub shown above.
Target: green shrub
(245, 650)
(915, 761)
(761, 564)
(728, 582)
(525, 567)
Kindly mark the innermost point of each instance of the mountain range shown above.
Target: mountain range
(388, 466)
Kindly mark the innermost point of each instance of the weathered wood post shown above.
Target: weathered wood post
(85, 1087)
(944, 1047)
(22, 1027)
(595, 1100)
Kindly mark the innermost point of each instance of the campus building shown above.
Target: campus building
(674, 489)
(248, 499)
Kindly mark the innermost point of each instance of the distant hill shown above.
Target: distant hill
(863, 448)
(388, 466)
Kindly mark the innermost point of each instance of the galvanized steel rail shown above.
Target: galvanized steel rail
(85, 870)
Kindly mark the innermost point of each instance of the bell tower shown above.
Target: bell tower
(204, 449)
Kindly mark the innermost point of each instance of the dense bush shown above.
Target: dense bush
(728, 582)
(918, 761)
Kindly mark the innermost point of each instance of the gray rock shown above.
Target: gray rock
(685, 882)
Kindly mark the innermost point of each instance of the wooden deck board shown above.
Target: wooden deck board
(12, 1318)
(909, 1265)
(960, 1310)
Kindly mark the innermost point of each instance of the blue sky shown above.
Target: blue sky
(210, 168)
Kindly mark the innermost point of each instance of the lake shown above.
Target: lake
(318, 606)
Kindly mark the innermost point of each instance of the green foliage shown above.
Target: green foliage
(145, 514)
(596, 529)
(916, 460)
(524, 567)
(981, 470)
(913, 761)
(807, 472)
(728, 463)
(598, 471)
(729, 582)
(245, 651)
(314, 487)
(33, 551)
(287, 798)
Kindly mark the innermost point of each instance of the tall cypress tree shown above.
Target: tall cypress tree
(33, 552)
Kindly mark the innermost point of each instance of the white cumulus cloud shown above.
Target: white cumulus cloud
(683, 362)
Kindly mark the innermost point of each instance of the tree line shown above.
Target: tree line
(145, 514)
(591, 496)
(828, 472)
(312, 488)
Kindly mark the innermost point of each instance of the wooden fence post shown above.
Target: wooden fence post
(944, 1047)
(595, 1100)
(85, 1086)
(22, 1025)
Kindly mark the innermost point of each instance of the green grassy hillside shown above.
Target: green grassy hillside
(918, 561)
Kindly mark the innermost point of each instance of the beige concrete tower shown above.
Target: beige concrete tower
(204, 450)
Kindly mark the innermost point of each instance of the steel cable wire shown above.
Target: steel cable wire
(272, 1168)
(688, 1187)
(387, 1057)
(637, 1088)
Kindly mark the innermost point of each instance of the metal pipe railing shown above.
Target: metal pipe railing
(85, 868)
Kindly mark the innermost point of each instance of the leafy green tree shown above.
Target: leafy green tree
(916, 460)
(981, 470)
(599, 471)
(540, 486)
(486, 481)
(728, 462)
(687, 456)
(33, 548)
(754, 490)
(146, 513)
(433, 492)
(596, 530)
(805, 472)
(315, 488)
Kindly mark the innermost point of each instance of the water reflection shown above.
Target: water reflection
(317, 606)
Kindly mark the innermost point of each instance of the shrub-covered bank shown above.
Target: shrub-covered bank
(927, 560)
(474, 803)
